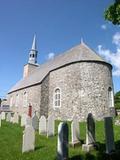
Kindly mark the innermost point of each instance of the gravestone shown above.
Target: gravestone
(0, 119)
(8, 119)
(23, 119)
(109, 135)
(28, 120)
(75, 132)
(62, 146)
(11, 119)
(35, 122)
(42, 125)
(90, 134)
(3, 115)
(50, 126)
(16, 118)
(28, 139)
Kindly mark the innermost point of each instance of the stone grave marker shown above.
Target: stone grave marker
(35, 122)
(90, 134)
(28, 120)
(11, 119)
(28, 139)
(42, 125)
(109, 135)
(8, 119)
(23, 119)
(3, 115)
(75, 132)
(16, 118)
(50, 126)
(62, 146)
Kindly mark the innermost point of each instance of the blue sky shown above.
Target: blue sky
(58, 25)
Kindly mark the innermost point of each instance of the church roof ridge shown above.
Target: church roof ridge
(78, 53)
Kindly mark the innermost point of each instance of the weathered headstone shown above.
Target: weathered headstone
(109, 135)
(11, 119)
(16, 118)
(3, 115)
(35, 122)
(75, 132)
(28, 120)
(23, 119)
(28, 139)
(42, 125)
(50, 126)
(90, 134)
(62, 146)
(8, 119)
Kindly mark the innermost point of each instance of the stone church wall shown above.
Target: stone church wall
(44, 97)
(84, 89)
(33, 97)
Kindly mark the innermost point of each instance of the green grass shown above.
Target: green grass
(45, 148)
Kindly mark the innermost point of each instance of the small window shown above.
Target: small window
(25, 99)
(110, 97)
(57, 98)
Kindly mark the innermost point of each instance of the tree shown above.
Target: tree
(112, 13)
(117, 100)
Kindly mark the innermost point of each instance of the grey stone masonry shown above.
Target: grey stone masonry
(35, 122)
(8, 119)
(109, 135)
(23, 119)
(16, 118)
(90, 134)
(28, 139)
(62, 146)
(84, 89)
(75, 132)
(28, 121)
(50, 126)
(42, 125)
(3, 115)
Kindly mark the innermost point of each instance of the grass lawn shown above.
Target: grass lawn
(45, 148)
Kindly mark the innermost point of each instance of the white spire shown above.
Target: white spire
(33, 52)
(34, 43)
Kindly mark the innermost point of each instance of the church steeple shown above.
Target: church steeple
(33, 52)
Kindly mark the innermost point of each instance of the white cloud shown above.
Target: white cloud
(116, 39)
(51, 55)
(104, 26)
(111, 57)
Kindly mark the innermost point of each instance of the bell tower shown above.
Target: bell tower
(33, 53)
(32, 61)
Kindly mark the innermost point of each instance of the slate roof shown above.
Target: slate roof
(80, 52)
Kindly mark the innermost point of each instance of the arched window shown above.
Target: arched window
(57, 97)
(25, 99)
(110, 97)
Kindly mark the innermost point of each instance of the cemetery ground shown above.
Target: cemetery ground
(45, 148)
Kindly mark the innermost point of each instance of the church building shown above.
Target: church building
(74, 83)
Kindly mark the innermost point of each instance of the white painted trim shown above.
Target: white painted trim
(55, 107)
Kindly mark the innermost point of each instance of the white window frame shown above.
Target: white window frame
(57, 98)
